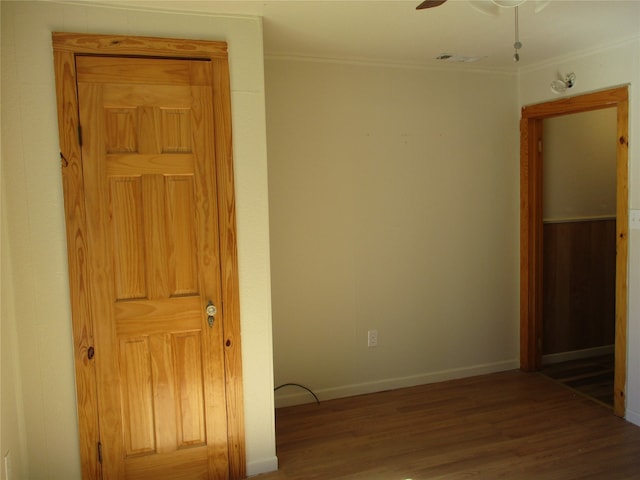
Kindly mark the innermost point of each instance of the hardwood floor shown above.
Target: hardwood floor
(506, 425)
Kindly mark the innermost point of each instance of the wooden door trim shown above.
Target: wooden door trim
(531, 226)
(66, 46)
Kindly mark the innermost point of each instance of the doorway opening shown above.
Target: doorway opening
(531, 227)
(579, 232)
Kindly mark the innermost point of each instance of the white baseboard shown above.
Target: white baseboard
(298, 398)
(265, 465)
(577, 354)
(633, 417)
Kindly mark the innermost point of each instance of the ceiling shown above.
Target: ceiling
(393, 31)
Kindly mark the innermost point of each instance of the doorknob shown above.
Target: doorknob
(211, 313)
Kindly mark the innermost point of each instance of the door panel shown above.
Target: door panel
(149, 174)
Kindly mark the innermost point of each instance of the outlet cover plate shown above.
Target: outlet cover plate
(372, 338)
(634, 219)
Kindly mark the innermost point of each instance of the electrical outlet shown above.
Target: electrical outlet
(634, 219)
(372, 338)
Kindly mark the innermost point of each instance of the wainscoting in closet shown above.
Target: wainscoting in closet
(579, 305)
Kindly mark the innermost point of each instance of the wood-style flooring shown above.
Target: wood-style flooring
(510, 425)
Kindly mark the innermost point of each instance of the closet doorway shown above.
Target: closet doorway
(579, 251)
(531, 226)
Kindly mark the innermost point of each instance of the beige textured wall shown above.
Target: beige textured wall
(42, 438)
(393, 206)
(580, 166)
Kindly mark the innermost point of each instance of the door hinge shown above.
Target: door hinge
(99, 452)
(79, 135)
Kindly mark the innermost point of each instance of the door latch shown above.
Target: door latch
(211, 313)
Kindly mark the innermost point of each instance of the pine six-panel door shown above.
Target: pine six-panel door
(148, 169)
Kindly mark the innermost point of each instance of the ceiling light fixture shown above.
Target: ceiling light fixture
(508, 3)
(559, 86)
(539, 4)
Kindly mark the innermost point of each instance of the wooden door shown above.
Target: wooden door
(154, 266)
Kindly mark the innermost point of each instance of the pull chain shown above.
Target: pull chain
(517, 45)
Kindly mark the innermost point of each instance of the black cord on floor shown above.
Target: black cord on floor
(297, 385)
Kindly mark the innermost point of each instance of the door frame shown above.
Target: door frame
(531, 226)
(66, 46)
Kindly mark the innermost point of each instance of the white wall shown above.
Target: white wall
(38, 403)
(394, 206)
(12, 438)
(610, 67)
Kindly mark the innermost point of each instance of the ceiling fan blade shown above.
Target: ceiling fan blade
(430, 4)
